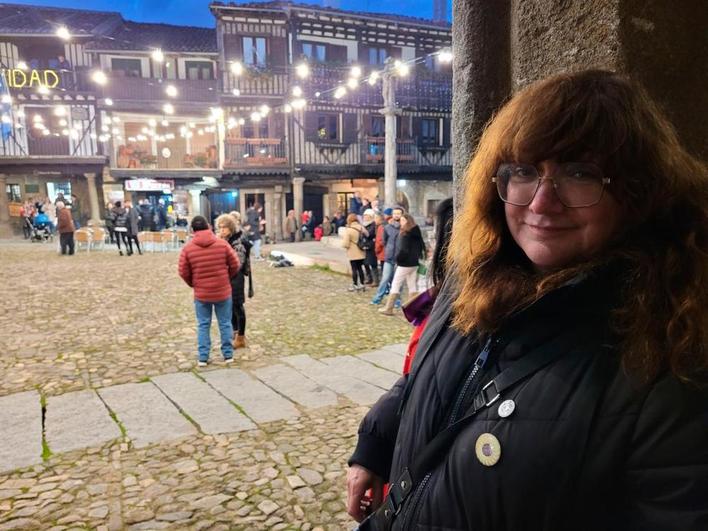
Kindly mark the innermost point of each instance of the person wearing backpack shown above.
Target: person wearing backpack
(229, 229)
(354, 236)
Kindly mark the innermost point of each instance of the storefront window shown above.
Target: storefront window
(13, 193)
(53, 190)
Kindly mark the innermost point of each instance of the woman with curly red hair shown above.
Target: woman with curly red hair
(560, 382)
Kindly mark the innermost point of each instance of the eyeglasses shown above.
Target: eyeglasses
(577, 184)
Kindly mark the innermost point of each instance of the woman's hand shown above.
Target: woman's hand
(359, 481)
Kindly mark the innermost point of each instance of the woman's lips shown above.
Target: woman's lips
(548, 229)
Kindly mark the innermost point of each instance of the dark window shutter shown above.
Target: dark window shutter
(417, 133)
(446, 132)
(368, 128)
(395, 52)
(233, 47)
(278, 51)
(350, 132)
(363, 54)
(297, 50)
(403, 128)
(311, 126)
(278, 126)
(336, 53)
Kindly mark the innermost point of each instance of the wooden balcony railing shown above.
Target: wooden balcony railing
(147, 89)
(426, 90)
(136, 156)
(376, 145)
(243, 152)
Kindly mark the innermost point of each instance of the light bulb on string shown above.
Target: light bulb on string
(355, 72)
(63, 123)
(352, 83)
(158, 56)
(256, 117)
(302, 70)
(7, 99)
(99, 77)
(297, 92)
(43, 90)
(63, 33)
(298, 103)
(373, 77)
(340, 92)
(236, 68)
(171, 91)
(108, 102)
(168, 108)
(21, 65)
(445, 55)
(287, 108)
(264, 109)
(164, 123)
(152, 122)
(59, 110)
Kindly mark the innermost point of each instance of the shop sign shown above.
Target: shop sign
(16, 78)
(150, 185)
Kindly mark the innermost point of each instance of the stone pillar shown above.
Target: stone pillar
(195, 206)
(298, 195)
(5, 227)
(480, 79)
(93, 199)
(326, 208)
(276, 227)
(389, 111)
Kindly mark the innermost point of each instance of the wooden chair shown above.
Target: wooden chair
(98, 237)
(167, 239)
(83, 236)
(181, 236)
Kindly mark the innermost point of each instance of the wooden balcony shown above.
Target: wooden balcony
(250, 152)
(153, 90)
(422, 90)
(376, 145)
(139, 156)
(256, 84)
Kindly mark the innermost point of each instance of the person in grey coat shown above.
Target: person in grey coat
(133, 227)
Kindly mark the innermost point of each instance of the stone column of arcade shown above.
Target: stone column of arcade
(298, 195)
(5, 228)
(93, 199)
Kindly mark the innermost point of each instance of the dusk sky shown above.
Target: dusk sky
(196, 12)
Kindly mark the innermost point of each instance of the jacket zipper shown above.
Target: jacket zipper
(412, 509)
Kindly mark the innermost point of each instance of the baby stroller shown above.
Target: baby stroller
(41, 228)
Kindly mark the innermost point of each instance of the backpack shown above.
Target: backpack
(364, 243)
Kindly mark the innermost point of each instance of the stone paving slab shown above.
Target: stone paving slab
(78, 420)
(384, 358)
(146, 414)
(296, 386)
(398, 348)
(363, 370)
(211, 411)
(339, 381)
(259, 401)
(20, 430)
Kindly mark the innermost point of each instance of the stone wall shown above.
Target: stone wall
(502, 46)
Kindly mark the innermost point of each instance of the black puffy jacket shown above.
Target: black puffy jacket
(586, 448)
(411, 247)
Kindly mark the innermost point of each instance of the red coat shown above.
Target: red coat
(207, 264)
(379, 248)
(64, 222)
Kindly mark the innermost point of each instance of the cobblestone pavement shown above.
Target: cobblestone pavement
(105, 320)
(99, 319)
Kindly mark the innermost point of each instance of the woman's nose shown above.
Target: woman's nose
(546, 199)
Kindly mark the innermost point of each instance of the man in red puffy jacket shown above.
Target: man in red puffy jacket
(207, 264)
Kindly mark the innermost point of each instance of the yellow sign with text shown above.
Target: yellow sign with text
(16, 78)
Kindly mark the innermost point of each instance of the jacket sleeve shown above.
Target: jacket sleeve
(232, 260)
(378, 244)
(185, 270)
(378, 431)
(667, 470)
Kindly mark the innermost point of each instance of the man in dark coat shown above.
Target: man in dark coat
(133, 227)
(145, 215)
